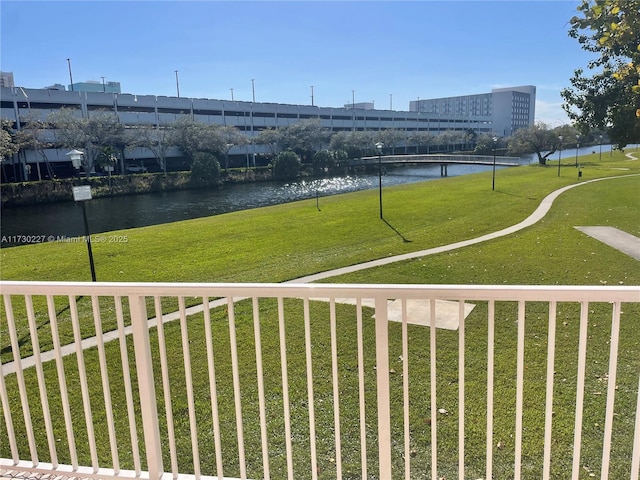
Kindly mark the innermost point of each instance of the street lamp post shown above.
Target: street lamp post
(226, 155)
(559, 154)
(379, 147)
(600, 159)
(80, 194)
(577, 147)
(493, 182)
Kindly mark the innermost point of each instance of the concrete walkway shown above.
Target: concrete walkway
(535, 217)
(623, 241)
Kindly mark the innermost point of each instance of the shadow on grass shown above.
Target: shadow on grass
(27, 337)
(404, 239)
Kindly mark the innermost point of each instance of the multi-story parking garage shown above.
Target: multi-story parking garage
(19, 104)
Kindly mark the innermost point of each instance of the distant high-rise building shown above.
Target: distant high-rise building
(506, 109)
(96, 87)
(6, 79)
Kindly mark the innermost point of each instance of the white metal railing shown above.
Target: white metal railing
(300, 381)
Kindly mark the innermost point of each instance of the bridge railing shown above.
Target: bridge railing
(441, 158)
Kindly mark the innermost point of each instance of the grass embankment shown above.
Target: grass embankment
(289, 241)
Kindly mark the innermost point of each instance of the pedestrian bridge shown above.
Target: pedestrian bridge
(439, 159)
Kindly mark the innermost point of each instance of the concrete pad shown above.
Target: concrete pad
(622, 241)
(418, 311)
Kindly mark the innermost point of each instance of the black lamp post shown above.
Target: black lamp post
(559, 154)
(600, 159)
(379, 147)
(76, 157)
(493, 181)
(577, 147)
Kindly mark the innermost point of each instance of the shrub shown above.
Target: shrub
(205, 169)
(286, 165)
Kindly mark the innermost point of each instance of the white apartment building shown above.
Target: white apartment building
(508, 109)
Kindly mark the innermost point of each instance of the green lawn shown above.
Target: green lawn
(289, 241)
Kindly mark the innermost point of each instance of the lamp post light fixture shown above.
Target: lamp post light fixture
(493, 182)
(577, 147)
(81, 194)
(379, 147)
(559, 154)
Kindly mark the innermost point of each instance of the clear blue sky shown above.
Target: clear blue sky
(411, 49)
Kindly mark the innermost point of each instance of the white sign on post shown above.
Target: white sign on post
(82, 193)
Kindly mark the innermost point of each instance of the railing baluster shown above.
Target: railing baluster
(236, 388)
(4, 401)
(382, 387)
(336, 386)
(285, 387)
(24, 400)
(405, 391)
(106, 390)
(635, 458)
(582, 363)
(551, 349)
(361, 390)
(166, 388)
(146, 385)
(64, 395)
(461, 365)
(310, 395)
(186, 356)
(519, 388)
(261, 395)
(128, 390)
(213, 390)
(84, 386)
(490, 369)
(611, 388)
(433, 381)
(33, 330)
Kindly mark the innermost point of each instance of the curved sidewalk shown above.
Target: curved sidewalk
(537, 215)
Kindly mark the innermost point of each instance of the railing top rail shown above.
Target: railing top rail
(591, 293)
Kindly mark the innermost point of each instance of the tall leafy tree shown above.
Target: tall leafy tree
(610, 99)
(537, 138)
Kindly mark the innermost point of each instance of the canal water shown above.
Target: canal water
(37, 223)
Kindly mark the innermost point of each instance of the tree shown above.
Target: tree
(421, 139)
(271, 138)
(332, 162)
(305, 137)
(91, 134)
(286, 165)
(391, 137)
(157, 139)
(205, 170)
(193, 136)
(484, 144)
(8, 144)
(610, 100)
(356, 144)
(537, 138)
